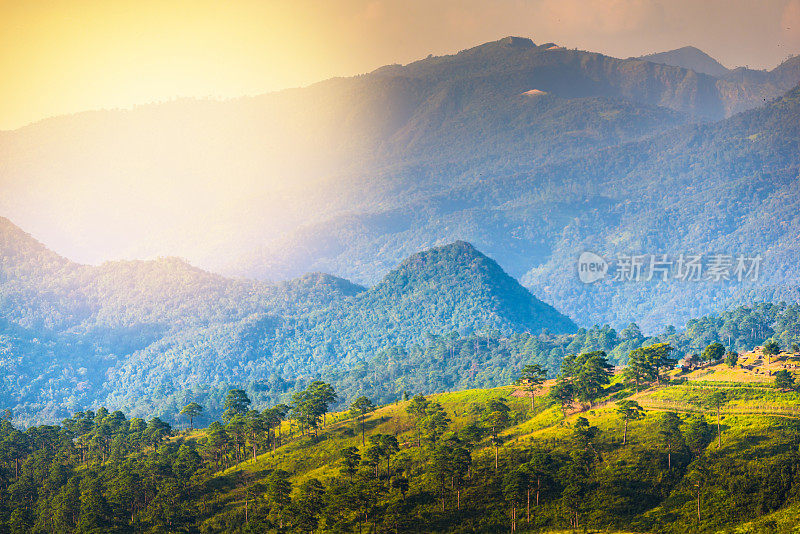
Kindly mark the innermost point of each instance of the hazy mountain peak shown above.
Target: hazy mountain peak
(688, 57)
(516, 42)
(788, 72)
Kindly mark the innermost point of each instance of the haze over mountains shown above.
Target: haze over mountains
(533, 153)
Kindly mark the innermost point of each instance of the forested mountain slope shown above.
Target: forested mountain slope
(138, 333)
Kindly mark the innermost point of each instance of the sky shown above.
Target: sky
(60, 57)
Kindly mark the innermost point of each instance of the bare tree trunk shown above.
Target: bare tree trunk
(529, 506)
(698, 506)
(625, 436)
(513, 519)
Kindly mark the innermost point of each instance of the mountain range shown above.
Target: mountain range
(352, 175)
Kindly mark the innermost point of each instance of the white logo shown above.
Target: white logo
(591, 267)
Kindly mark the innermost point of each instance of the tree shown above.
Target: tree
(435, 422)
(515, 487)
(784, 380)
(716, 400)
(697, 479)
(795, 348)
(350, 460)
(278, 493)
(255, 426)
(187, 462)
(584, 434)
(191, 411)
(576, 476)
(594, 373)
(670, 431)
(697, 433)
(416, 409)
(217, 442)
(273, 417)
(236, 403)
(361, 407)
(770, 349)
(540, 469)
(531, 378)
(451, 461)
(156, 431)
(731, 358)
(323, 396)
(563, 392)
(496, 418)
(309, 504)
(629, 410)
(304, 411)
(372, 454)
(713, 352)
(638, 370)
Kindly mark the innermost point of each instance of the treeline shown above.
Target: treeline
(443, 362)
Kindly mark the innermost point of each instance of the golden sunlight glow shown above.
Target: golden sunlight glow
(65, 56)
(84, 55)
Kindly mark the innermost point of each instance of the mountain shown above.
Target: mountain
(136, 333)
(210, 181)
(453, 288)
(510, 145)
(729, 187)
(689, 58)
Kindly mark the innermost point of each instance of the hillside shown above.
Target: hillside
(148, 337)
(151, 330)
(470, 461)
(450, 289)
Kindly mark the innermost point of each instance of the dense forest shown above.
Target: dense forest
(451, 362)
(148, 330)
